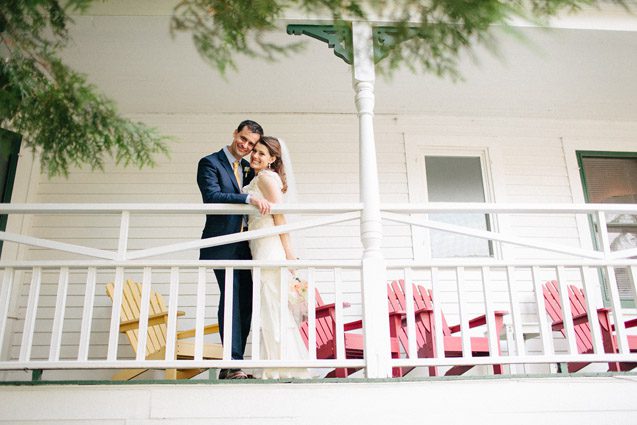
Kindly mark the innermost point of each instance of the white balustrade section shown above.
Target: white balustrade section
(462, 289)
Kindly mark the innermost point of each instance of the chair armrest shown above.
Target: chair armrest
(153, 320)
(628, 323)
(478, 321)
(350, 326)
(324, 310)
(631, 323)
(190, 333)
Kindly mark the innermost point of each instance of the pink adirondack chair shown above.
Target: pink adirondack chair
(583, 335)
(354, 342)
(425, 325)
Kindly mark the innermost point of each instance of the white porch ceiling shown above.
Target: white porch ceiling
(560, 73)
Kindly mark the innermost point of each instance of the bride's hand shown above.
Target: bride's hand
(262, 205)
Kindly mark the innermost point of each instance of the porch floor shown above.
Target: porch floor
(601, 399)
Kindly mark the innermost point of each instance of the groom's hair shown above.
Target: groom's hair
(253, 126)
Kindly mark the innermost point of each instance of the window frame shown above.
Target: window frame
(580, 155)
(417, 182)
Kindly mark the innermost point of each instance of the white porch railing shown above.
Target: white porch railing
(461, 288)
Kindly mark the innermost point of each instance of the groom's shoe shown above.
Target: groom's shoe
(233, 374)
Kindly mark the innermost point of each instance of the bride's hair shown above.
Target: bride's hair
(274, 148)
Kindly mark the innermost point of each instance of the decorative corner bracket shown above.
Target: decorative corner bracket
(385, 39)
(339, 39)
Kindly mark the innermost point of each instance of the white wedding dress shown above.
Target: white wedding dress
(270, 248)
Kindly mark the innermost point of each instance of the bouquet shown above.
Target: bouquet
(297, 298)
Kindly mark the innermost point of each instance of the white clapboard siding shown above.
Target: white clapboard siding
(530, 167)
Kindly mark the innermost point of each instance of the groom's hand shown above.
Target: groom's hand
(262, 205)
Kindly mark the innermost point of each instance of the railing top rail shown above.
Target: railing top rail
(346, 264)
(489, 262)
(243, 264)
(312, 208)
(77, 208)
(515, 208)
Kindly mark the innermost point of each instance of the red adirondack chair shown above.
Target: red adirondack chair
(583, 335)
(354, 342)
(425, 325)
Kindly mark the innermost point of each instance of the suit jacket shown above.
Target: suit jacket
(218, 184)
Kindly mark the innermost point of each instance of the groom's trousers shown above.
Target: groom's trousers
(241, 304)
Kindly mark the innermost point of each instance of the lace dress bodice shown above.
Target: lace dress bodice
(257, 221)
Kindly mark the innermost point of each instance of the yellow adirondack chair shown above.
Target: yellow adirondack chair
(156, 336)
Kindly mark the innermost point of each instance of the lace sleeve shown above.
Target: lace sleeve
(269, 174)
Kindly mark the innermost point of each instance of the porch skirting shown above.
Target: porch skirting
(564, 400)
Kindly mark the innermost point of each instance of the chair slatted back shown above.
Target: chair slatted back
(324, 326)
(422, 300)
(397, 302)
(577, 302)
(131, 307)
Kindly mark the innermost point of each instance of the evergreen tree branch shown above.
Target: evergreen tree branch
(59, 114)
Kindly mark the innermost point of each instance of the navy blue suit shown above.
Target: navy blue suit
(218, 184)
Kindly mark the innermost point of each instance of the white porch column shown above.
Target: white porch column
(375, 311)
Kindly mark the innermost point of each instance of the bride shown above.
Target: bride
(270, 159)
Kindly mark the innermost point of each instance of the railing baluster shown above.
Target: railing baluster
(618, 316)
(493, 337)
(87, 314)
(200, 314)
(256, 313)
(567, 314)
(593, 320)
(311, 314)
(462, 310)
(633, 279)
(5, 297)
(338, 300)
(173, 305)
(113, 335)
(412, 350)
(437, 302)
(516, 314)
(58, 318)
(29, 320)
(142, 335)
(227, 314)
(122, 244)
(283, 310)
(546, 333)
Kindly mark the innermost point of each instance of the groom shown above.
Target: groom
(220, 177)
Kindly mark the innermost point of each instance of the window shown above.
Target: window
(9, 150)
(610, 177)
(457, 179)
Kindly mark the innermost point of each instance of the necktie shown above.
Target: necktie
(235, 168)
